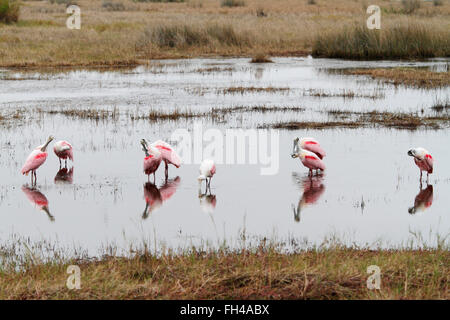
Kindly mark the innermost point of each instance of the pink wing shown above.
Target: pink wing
(429, 161)
(34, 161)
(314, 147)
(314, 163)
(167, 152)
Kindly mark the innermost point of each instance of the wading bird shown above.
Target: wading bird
(311, 144)
(36, 158)
(207, 170)
(152, 159)
(308, 158)
(63, 150)
(423, 160)
(169, 156)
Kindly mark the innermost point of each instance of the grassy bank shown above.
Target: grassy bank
(125, 32)
(337, 273)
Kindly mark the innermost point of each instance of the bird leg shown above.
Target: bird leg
(154, 178)
(66, 163)
(428, 175)
(166, 171)
(60, 164)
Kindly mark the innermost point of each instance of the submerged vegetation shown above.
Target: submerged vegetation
(351, 119)
(407, 76)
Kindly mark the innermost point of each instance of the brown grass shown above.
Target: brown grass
(262, 273)
(407, 76)
(40, 38)
(349, 119)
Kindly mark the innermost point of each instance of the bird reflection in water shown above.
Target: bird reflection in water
(313, 188)
(38, 199)
(64, 175)
(423, 200)
(155, 197)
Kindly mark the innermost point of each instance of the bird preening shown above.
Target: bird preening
(36, 158)
(310, 153)
(207, 171)
(423, 160)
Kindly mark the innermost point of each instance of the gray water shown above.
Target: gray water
(370, 193)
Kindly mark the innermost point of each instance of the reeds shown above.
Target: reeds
(9, 11)
(403, 40)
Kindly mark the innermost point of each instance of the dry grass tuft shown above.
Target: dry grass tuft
(261, 58)
(9, 11)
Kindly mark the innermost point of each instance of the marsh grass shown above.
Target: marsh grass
(232, 3)
(260, 272)
(351, 119)
(406, 76)
(403, 40)
(90, 114)
(243, 90)
(261, 58)
(9, 11)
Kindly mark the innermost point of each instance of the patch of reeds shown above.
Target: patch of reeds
(350, 119)
(232, 3)
(406, 76)
(91, 114)
(9, 11)
(406, 40)
(243, 90)
(261, 58)
(185, 35)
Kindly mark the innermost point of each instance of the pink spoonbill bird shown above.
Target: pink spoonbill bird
(207, 170)
(423, 160)
(309, 159)
(38, 199)
(152, 159)
(169, 156)
(311, 144)
(36, 158)
(63, 151)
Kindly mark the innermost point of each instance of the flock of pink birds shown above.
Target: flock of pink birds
(308, 150)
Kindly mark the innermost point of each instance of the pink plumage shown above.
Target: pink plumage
(63, 150)
(151, 163)
(168, 153)
(34, 161)
(312, 161)
(313, 145)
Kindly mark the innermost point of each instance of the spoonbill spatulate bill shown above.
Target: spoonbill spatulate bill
(309, 159)
(152, 159)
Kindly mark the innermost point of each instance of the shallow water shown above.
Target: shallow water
(369, 195)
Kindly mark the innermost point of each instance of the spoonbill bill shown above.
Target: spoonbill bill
(423, 160)
(207, 170)
(36, 158)
(63, 151)
(169, 156)
(152, 159)
(309, 159)
(311, 144)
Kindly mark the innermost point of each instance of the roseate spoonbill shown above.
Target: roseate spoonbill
(168, 155)
(207, 170)
(152, 159)
(311, 144)
(423, 160)
(38, 199)
(313, 188)
(36, 158)
(308, 158)
(64, 176)
(63, 150)
(423, 200)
